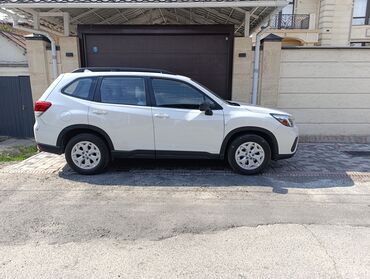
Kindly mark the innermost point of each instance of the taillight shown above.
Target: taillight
(42, 106)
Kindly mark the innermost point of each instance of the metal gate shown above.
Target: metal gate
(16, 107)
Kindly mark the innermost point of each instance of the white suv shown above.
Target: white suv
(96, 115)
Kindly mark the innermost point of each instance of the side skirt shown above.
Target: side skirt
(150, 154)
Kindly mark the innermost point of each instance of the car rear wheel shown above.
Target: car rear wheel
(87, 154)
(249, 154)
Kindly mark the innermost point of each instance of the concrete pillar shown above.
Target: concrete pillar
(335, 22)
(270, 71)
(242, 69)
(247, 19)
(38, 65)
(312, 25)
(69, 54)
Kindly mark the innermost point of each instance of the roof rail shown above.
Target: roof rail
(119, 69)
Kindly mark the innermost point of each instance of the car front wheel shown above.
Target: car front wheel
(249, 154)
(87, 154)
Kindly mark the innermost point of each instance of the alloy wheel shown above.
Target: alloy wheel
(249, 155)
(85, 155)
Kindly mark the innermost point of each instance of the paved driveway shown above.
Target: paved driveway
(307, 217)
(330, 159)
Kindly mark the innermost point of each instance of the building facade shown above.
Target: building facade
(324, 23)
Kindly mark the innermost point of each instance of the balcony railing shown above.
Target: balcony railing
(361, 20)
(290, 21)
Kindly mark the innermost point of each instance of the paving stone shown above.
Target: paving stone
(311, 159)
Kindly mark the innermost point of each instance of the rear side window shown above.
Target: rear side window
(80, 88)
(123, 90)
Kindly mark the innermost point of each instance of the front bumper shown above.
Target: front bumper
(293, 149)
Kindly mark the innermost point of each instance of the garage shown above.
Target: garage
(203, 53)
(209, 41)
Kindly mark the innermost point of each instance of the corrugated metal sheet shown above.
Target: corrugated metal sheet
(16, 107)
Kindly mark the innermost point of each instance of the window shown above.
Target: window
(80, 88)
(361, 12)
(177, 94)
(123, 90)
(288, 9)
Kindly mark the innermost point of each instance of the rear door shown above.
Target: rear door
(120, 109)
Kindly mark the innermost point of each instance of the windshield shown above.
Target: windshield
(214, 94)
(209, 90)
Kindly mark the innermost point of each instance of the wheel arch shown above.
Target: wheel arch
(67, 133)
(266, 134)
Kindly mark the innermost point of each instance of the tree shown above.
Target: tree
(6, 27)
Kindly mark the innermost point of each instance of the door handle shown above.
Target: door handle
(161, 115)
(99, 112)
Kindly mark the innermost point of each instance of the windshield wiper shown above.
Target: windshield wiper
(233, 103)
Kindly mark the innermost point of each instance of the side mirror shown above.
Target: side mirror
(206, 107)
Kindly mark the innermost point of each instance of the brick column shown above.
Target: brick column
(242, 69)
(38, 64)
(270, 71)
(69, 54)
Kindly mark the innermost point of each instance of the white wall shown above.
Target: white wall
(327, 90)
(14, 71)
(360, 33)
(335, 20)
(242, 70)
(10, 53)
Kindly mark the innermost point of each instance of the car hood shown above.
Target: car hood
(259, 109)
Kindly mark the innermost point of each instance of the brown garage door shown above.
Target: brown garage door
(203, 53)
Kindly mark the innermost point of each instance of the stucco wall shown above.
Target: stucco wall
(327, 90)
(360, 33)
(306, 6)
(13, 59)
(40, 62)
(242, 69)
(11, 53)
(14, 71)
(335, 19)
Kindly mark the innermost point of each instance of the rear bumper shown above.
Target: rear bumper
(50, 148)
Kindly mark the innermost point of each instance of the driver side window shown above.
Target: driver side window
(176, 94)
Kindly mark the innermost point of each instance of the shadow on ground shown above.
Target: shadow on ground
(202, 173)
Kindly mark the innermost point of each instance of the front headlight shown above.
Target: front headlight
(284, 119)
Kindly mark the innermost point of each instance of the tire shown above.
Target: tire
(92, 149)
(249, 154)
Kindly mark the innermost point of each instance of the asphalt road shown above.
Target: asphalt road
(184, 224)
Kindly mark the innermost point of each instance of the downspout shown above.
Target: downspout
(257, 57)
(47, 35)
(256, 66)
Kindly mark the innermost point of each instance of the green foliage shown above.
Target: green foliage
(6, 27)
(18, 154)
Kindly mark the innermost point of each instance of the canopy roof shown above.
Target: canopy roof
(145, 12)
(17, 39)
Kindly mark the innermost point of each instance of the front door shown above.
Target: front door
(179, 125)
